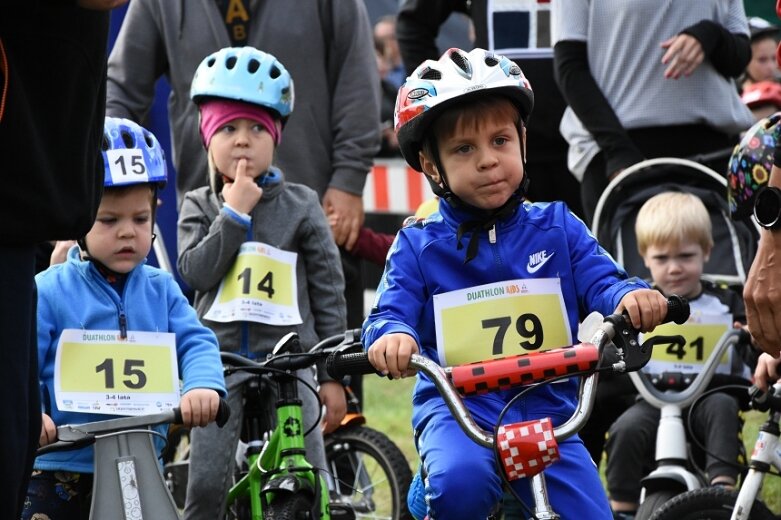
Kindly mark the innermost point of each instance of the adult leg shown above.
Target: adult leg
(19, 375)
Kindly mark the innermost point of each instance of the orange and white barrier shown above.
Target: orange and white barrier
(393, 187)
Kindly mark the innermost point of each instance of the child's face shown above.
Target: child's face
(242, 139)
(482, 163)
(762, 66)
(121, 236)
(677, 269)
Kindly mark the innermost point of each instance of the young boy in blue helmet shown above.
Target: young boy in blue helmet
(105, 288)
(250, 222)
(461, 121)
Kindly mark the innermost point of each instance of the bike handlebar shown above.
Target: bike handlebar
(74, 436)
(525, 371)
(659, 398)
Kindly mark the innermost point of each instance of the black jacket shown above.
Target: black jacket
(52, 105)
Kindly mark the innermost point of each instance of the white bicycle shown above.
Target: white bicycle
(716, 503)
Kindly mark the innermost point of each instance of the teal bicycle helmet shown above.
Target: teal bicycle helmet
(244, 74)
(750, 165)
(131, 155)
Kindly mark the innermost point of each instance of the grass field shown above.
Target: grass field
(387, 406)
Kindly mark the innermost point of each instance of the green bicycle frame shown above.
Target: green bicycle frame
(282, 455)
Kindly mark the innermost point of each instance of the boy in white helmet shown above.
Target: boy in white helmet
(461, 121)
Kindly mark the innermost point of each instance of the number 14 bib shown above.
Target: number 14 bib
(500, 319)
(260, 286)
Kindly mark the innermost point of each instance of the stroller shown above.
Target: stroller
(734, 242)
(730, 260)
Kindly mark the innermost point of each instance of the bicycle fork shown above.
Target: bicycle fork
(767, 453)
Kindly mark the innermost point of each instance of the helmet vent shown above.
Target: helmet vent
(211, 62)
(230, 62)
(462, 63)
(274, 72)
(515, 70)
(253, 66)
(105, 144)
(430, 73)
(491, 60)
(127, 139)
(150, 143)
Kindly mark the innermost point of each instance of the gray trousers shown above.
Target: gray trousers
(213, 449)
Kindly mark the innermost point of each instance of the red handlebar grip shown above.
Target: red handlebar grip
(524, 369)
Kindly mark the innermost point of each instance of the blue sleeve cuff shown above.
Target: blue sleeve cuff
(242, 218)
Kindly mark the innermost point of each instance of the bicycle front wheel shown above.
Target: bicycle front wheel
(712, 503)
(289, 506)
(370, 473)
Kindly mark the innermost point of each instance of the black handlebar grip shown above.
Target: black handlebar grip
(677, 310)
(223, 413)
(339, 365)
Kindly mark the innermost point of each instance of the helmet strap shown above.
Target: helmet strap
(485, 219)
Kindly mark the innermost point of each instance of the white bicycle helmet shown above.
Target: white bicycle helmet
(454, 78)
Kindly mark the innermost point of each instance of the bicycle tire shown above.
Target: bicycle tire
(712, 503)
(370, 473)
(653, 502)
(289, 506)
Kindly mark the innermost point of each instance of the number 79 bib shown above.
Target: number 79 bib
(261, 286)
(500, 319)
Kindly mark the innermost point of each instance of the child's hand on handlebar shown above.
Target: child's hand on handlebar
(646, 308)
(48, 431)
(332, 396)
(199, 406)
(390, 354)
(766, 372)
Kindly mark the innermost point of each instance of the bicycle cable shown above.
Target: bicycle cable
(506, 408)
(260, 369)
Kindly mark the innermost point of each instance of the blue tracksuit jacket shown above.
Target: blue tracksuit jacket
(424, 261)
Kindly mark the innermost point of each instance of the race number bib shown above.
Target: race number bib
(97, 372)
(261, 287)
(701, 334)
(500, 319)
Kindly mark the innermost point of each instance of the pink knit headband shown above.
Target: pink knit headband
(216, 112)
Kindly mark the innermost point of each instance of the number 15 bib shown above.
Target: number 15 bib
(260, 286)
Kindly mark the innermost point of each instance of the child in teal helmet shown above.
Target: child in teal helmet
(103, 299)
(258, 252)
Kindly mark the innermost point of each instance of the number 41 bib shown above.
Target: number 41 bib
(260, 286)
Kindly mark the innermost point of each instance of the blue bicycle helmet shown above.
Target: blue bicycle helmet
(245, 74)
(131, 155)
